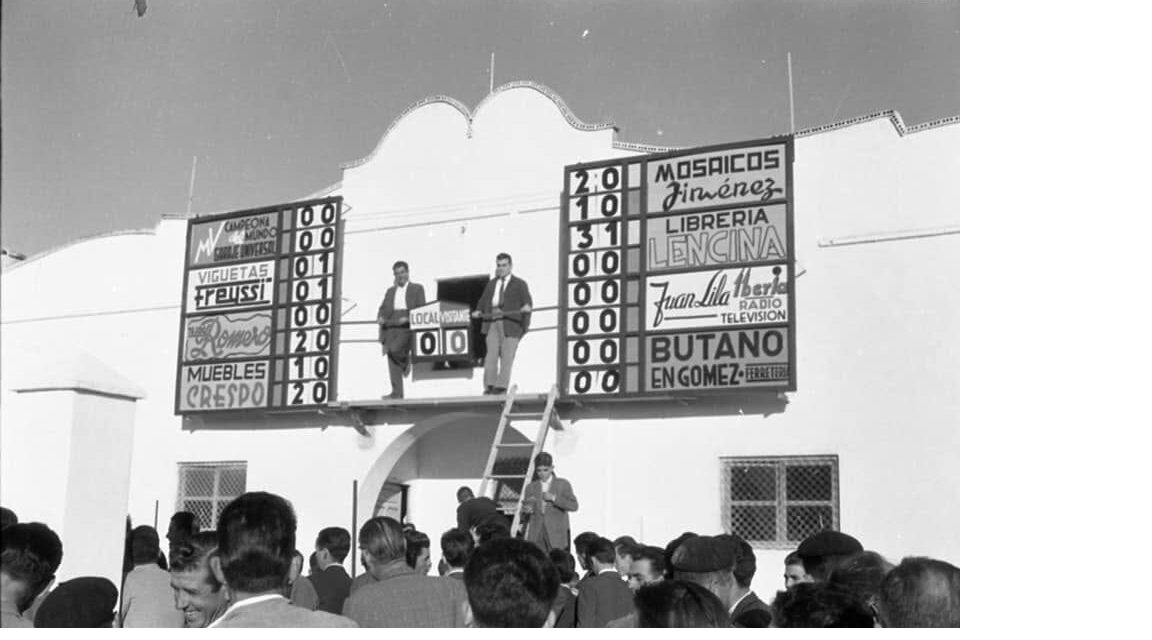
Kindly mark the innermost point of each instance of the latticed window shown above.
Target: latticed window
(776, 502)
(207, 487)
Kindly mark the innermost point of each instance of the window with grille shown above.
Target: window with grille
(205, 488)
(776, 502)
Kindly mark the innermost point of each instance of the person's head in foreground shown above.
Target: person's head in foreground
(511, 583)
(862, 574)
(198, 593)
(31, 554)
(819, 605)
(256, 542)
(708, 561)
(417, 551)
(794, 572)
(824, 551)
(80, 603)
(920, 592)
(383, 545)
(679, 603)
(647, 567)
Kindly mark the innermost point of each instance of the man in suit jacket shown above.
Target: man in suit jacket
(473, 512)
(605, 596)
(547, 501)
(506, 306)
(743, 570)
(456, 546)
(254, 559)
(511, 584)
(395, 332)
(332, 582)
(400, 597)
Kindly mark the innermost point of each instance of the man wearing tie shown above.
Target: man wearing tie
(506, 307)
(395, 333)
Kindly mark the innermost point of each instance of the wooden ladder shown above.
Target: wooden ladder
(547, 419)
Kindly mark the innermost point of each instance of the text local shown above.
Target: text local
(433, 318)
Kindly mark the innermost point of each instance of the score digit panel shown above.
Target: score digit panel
(676, 273)
(260, 322)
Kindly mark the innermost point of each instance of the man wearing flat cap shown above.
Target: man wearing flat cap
(86, 603)
(824, 551)
(547, 501)
(708, 561)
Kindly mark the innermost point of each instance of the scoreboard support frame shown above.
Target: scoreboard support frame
(643, 165)
(277, 306)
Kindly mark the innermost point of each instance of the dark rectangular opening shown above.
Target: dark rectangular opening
(465, 290)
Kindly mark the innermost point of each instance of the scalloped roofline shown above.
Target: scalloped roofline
(892, 115)
(470, 115)
(72, 243)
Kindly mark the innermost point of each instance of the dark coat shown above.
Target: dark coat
(750, 603)
(477, 511)
(388, 317)
(332, 586)
(516, 295)
(564, 606)
(555, 514)
(603, 598)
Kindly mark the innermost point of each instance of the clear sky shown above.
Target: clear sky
(103, 111)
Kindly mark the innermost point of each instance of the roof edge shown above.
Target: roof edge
(470, 115)
(71, 243)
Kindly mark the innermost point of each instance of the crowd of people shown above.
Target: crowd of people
(248, 573)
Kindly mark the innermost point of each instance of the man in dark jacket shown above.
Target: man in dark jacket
(332, 582)
(743, 570)
(395, 330)
(473, 512)
(506, 307)
(547, 501)
(605, 596)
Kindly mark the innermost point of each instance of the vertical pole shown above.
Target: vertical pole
(191, 185)
(156, 515)
(492, 73)
(355, 548)
(791, 101)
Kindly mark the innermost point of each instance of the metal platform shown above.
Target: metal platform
(359, 414)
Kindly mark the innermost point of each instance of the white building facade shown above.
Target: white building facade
(869, 442)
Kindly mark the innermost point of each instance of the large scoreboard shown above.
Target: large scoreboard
(676, 273)
(260, 320)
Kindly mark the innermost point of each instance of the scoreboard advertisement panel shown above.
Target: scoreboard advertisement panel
(259, 326)
(676, 273)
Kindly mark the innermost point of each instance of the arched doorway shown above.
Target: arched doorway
(419, 472)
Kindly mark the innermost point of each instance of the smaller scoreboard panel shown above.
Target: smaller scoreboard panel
(261, 309)
(676, 273)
